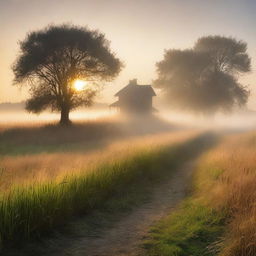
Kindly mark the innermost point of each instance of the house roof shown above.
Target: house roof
(136, 90)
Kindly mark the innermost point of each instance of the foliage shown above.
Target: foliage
(228, 55)
(50, 61)
(205, 79)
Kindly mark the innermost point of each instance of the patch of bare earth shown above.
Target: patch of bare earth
(125, 237)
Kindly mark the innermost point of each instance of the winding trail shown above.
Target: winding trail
(124, 237)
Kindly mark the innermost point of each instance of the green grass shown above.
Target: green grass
(188, 231)
(32, 211)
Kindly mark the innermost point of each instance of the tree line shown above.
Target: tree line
(203, 79)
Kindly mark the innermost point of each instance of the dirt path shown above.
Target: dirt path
(124, 237)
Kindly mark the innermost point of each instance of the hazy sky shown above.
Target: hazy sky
(139, 31)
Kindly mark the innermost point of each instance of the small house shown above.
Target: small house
(135, 98)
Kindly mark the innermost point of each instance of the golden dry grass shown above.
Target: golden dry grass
(228, 177)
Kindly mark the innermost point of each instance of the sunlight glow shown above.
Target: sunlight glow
(79, 85)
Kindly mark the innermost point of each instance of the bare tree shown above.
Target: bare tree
(51, 59)
(204, 79)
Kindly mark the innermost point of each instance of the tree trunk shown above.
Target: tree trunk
(64, 119)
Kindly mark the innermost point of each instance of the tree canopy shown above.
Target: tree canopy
(51, 59)
(204, 79)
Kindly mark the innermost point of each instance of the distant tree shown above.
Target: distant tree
(204, 79)
(227, 54)
(51, 60)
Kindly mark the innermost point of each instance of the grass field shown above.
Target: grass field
(43, 153)
(219, 217)
(51, 174)
(41, 188)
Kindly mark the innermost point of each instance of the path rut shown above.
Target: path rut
(125, 237)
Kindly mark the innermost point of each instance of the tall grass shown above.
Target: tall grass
(231, 179)
(220, 217)
(32, 210)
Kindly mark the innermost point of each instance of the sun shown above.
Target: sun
(79, 85)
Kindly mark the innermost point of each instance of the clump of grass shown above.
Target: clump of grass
(28, 212)
(189, 231)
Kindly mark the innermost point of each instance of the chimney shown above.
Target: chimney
(133, 82)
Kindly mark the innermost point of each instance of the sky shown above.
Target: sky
(139, 31)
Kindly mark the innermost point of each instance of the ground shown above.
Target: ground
(126, 236)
